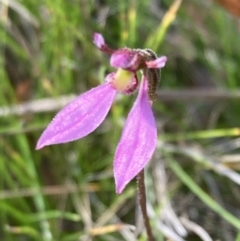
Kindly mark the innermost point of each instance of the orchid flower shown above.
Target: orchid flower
(84, 114)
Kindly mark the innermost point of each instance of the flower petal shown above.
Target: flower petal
(127, 59)
(157, 63)
(80, 117)
(99, 41)
(138, 141)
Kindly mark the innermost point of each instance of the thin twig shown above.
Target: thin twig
(195, 228)
(37, 106)
(205, 95)
(48, 190)
(53, 104)
(143, 205)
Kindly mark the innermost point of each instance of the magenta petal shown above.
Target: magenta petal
(125, 59)
(80, 117)
(138, 141)
(98, 40)
(157, 63)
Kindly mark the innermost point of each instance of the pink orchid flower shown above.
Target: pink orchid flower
(84, 114)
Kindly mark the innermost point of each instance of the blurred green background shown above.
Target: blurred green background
(66, 192)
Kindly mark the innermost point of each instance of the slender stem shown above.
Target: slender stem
(143, 204)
